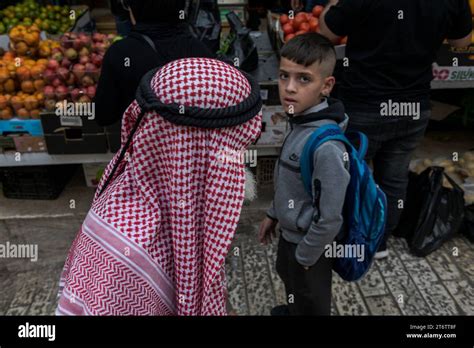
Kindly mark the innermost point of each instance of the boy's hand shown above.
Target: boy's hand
(267, 230)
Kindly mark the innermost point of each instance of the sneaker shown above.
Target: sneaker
(280, 311)
(382, 254)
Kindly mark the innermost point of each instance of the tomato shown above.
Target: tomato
(301, 32)
(289, 37)
(298, 21)
(313, 24)
(317, 10)
(304, 26)
(284, 19)
(303, 16)
(288, 29)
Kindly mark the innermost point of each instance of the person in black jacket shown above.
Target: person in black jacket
(122, 17)
(155, 23)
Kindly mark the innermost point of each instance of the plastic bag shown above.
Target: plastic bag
(433, 213)
(242, 49)
(205, 23)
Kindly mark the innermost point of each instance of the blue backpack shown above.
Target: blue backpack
(365, 206)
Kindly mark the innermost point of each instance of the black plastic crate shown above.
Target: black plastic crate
(38, 182)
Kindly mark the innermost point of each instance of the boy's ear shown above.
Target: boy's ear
(328, 85)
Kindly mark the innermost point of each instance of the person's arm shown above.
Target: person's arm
(107, 98)
(329, 183)
(323, 27)
(460, 33)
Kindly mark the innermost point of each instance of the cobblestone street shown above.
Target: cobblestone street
(440, 284)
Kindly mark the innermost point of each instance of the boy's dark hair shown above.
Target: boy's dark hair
(309, 48)
(157, 11)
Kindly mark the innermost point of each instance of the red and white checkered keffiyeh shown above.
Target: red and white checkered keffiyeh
(155, 241)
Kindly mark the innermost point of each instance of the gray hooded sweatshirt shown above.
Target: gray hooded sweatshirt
(311, 222)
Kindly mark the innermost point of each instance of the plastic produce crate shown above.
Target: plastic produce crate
(265, 170)
(37, 182)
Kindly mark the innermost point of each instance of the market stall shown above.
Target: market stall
(49, 57)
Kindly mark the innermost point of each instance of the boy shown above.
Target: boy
(307, 224)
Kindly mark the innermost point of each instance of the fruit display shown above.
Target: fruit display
(49, 71)
(302, 23)
(73, 69)
(21, 87)
(24, 41)
(49, 18)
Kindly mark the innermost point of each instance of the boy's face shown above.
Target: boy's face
(302, 87)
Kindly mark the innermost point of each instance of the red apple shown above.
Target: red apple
(85, 39)
(84, 99)
(87, 81)
(58, 56)
(79, 70)
(84, 60)
(71, 80)
(61, 92)
(75, 94)
(53, 64)
(91, 90)
(57, 82)
(97, 59)
(66, 63)
(48, 92)
(50, 104)
(71, 54)
(49, 75)
(63, 73)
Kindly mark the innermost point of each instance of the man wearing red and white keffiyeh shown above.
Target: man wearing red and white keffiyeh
(164, 215)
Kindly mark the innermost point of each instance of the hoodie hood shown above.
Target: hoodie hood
(335, 112)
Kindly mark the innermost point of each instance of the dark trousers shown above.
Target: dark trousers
(392, 142)
(308, 291)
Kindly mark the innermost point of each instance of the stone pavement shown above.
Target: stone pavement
(441, 284)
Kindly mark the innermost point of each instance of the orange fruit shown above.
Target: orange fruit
(27, 87)
(21, 48)
(9, 86)
(4, 75)
(31, 103)
(35, 114)
(39, 85)
(23, 73)
(3, 102)
(23, 113)
(6, 113)
(17, 102)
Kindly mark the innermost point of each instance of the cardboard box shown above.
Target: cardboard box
(93, 173)
(26, 144)
(73, 135)
(52, 123)
(69, 143)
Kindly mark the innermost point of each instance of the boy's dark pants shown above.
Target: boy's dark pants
(392, 142)
(308, 291)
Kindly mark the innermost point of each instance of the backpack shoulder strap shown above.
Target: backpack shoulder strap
(320, 136)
